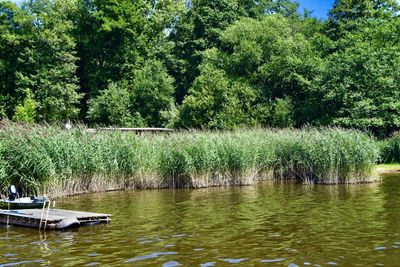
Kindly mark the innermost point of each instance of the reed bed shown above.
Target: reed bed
(390, 149)
(48, 159)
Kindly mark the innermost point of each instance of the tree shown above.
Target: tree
(116, 37)
(39, 57)
(44, 60)
(199, 29)
(146, 100)
(349, 15)
(347, 10)
(110, 41)
(152, 94)
(275, 59)
(216, 102)
(11, 39)
(112, 107)
(361, 83)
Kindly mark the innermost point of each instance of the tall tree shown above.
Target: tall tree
(272, 63)
(361, 83)
(349, 15)
(345, 10)
(277, 60)
(198, 29)
(39, 58)
(11, 41)
(47, 62)
(115, 37)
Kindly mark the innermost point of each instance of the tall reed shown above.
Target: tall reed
(390, 149)
(60, 162)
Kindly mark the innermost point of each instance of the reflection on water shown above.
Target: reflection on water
(270, 224)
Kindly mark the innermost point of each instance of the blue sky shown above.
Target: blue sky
(320, 7)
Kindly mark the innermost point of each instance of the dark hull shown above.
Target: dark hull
(7, 204)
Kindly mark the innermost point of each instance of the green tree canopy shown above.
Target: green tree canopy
(112, 107)
(218, 64)
(345, 10)
(200, 26)
(349, 15)
(147, 100)
(115, 37)
(41, 59)
(362, 80)
(216, 102)
(152, 93)
(11, 39)
(270, 60)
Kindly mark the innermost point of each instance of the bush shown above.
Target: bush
(390, 150)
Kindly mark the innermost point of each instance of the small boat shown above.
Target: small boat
(15, 202)
(24, 203)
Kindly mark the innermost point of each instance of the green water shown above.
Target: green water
(269, 224)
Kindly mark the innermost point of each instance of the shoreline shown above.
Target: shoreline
(378, 170)
(393, 168)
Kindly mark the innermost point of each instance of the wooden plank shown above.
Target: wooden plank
(137, 129)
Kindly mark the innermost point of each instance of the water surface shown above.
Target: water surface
(269, 224)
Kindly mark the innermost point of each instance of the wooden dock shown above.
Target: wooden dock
(139, 131)
(56, 218)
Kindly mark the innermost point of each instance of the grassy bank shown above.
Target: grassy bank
(59, 162)
(393, 168)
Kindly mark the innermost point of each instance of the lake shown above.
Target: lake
(268, 224)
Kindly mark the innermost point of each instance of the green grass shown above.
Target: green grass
(58, 162)
(385, 168)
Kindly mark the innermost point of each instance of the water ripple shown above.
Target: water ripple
(171, 264)
(21, 262)
(150, 256)
(273, 224)
(273, 260)
(233, 261)
(208, 264)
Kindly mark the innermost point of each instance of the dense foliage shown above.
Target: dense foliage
(390, 149)
(63, 162)
(215, 64)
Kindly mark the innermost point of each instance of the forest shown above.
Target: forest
(201, 64)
